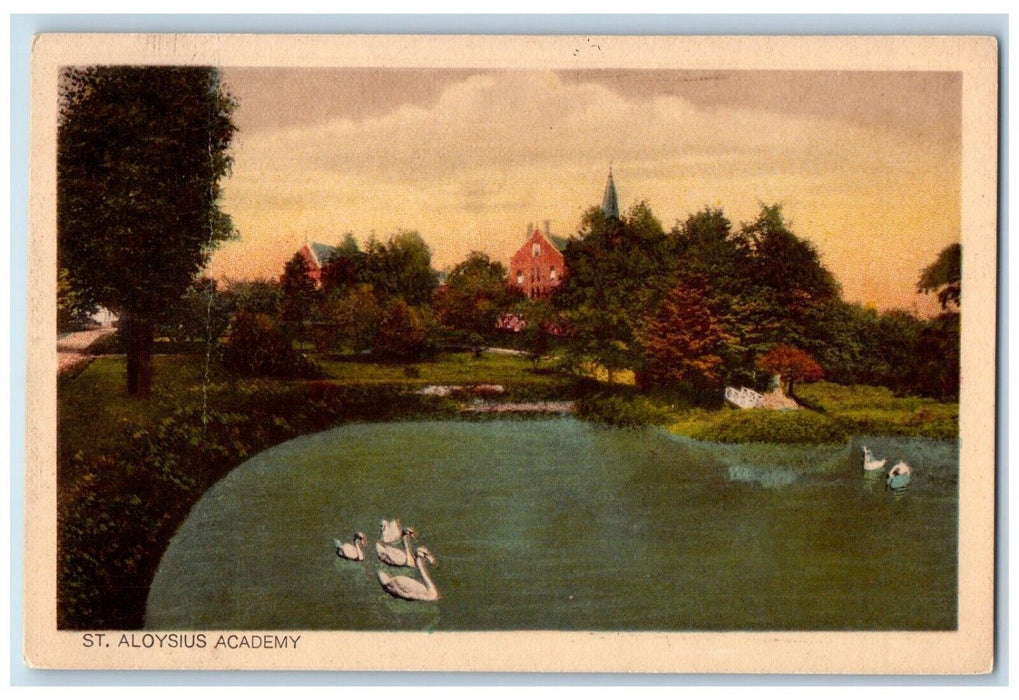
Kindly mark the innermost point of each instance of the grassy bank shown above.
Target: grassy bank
(833, 413)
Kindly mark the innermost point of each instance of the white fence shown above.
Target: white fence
(743, 397)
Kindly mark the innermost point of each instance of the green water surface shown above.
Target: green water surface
(558, 524)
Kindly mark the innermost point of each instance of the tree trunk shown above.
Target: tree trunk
(640, 378)
(140, 335)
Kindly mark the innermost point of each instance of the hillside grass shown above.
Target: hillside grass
(870, 410)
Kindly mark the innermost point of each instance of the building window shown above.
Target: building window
(520, 277)
(552, 274)
(536, 249)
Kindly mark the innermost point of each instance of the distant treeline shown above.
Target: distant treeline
(692, 309)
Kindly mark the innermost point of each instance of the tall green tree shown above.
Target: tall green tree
(298, 293)
(401, 268)
(140, 155)
(705, 245)
(786, 294)
(475, 296)
(616, 270)
(345, 269)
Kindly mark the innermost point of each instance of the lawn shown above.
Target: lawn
(94, 403)
(452, 368)
(866, 410)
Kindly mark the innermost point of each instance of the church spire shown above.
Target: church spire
(610, 206)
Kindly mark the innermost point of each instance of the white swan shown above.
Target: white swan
(900, 469)
(390, 531)
(869, 463)
(351, 550)
(394, 556)
(899, 475)
(408, 588)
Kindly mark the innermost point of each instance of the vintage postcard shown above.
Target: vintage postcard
(482, 353)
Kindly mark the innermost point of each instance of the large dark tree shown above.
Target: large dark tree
(706, 245)
(345, 268)
(786, 294)
(140, 153)
(937, 349)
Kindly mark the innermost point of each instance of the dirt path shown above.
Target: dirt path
(71, 347)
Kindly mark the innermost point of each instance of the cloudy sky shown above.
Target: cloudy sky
(867, 165)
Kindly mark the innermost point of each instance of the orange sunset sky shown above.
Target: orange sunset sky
(866, 164)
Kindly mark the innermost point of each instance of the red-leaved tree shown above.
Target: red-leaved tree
(683, 340)
(793, 364)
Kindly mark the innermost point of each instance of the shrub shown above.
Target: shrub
(620, 410)
(401, 335)
(760, 425)
(257, 346)
(109, 344)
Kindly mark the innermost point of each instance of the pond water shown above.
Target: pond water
(558, 524)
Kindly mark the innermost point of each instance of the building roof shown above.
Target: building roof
(322, 253)
(558, 242)
(610, 205)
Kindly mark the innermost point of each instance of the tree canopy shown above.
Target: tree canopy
(616, 269)
(140, 155)
(298, 293)
(944, 276)
(793, 364)
(475, 295)
(683, 340)
(401, 268)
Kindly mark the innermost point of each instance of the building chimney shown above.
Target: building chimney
(548, 231)
(530, 230)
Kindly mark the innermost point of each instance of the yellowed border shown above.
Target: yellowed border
(968, 650)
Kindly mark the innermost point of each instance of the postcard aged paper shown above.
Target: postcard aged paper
(512, 353)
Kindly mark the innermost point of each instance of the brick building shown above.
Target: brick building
(538, 266)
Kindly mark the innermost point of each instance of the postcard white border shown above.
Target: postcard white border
(968, 650)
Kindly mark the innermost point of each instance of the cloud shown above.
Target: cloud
(498, 149)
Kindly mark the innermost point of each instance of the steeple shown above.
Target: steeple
(610, 206)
